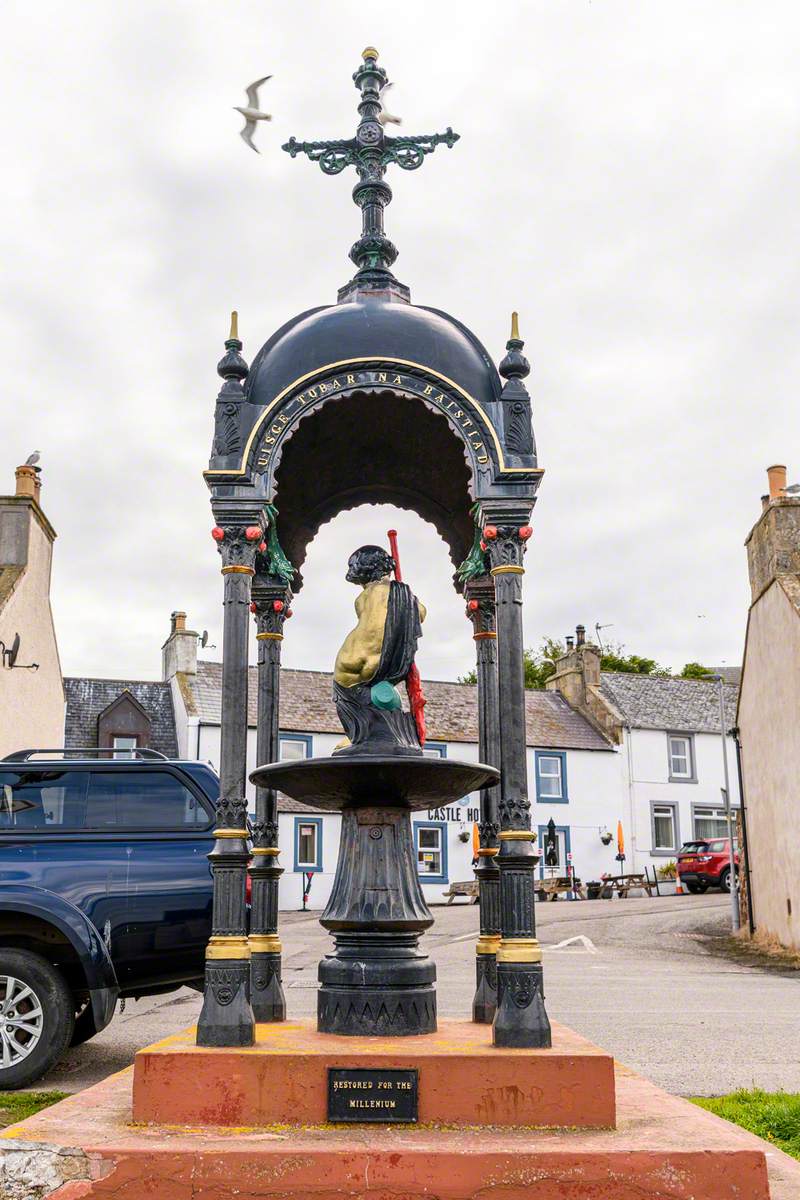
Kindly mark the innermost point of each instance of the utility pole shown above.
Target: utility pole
(734, 891)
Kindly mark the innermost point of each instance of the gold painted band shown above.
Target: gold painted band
(230, 833)
(507, 571)
(266, 850)
(238, 570)
(488, 945)
(481, 636)
(519, 950)
(269, 637)
(228, 947)
(488, 852)
(265, 943)
(517, 835)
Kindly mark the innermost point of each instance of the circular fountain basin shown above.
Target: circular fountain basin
(347, 782)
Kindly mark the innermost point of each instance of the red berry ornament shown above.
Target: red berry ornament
(525, 532)
(277, 606)
(253, 533)
(252, 606)
(472, 606)
(218, 534)
(262, 546)
(489, 533)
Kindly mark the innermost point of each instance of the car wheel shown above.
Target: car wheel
(725, 879)
(694, 888)
(702, 888)
(36, 1017)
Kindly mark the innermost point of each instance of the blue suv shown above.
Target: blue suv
(105, 892)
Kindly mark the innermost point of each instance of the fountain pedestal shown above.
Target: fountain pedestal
(376, 981)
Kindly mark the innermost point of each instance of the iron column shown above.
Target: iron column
(227, 1018)
(480, 598)
(271, 600)
(521, 1019)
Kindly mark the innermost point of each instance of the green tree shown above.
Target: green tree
(540, 664)
(695, 670)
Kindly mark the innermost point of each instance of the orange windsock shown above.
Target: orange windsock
(620, 839)
(476, 841)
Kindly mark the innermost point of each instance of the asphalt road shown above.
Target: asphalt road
(639, 981)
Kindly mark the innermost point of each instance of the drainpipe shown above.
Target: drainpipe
(632, 826)
(746, 847)
(728, 815)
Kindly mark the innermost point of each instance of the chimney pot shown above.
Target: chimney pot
(580, 634)
(570, 643)
(777, 481)
(178, 620)
(28, 482)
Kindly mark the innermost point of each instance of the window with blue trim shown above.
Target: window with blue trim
(435, 750)
(294, 746)
(308, 843)
(551, 777)
(430, 848)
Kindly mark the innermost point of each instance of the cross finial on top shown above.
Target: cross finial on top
(370, 152)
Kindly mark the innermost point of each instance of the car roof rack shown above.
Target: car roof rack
(117, 752)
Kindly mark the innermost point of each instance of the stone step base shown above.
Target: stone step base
(86, 1148)
(463, 1079)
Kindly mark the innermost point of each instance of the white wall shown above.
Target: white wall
(650, 783)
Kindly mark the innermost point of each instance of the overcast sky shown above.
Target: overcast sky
(628, 177)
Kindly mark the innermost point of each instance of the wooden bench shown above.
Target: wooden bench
(622, 884)
(550, 889)
(468, 889)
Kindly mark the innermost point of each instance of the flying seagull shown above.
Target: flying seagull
(252, 113)
(384, 116)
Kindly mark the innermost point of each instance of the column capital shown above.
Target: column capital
(481, 606)
(238, 538)
(506, 545)
(270, 602)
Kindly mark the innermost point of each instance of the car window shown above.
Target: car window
(693, 847)
(142, 800)
(48, 800)
(718, 846)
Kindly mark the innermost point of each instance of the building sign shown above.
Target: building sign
(455, 408)
(455, 812)
(361, 1095)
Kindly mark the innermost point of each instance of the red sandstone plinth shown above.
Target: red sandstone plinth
(662, 1149)
(463, 1079)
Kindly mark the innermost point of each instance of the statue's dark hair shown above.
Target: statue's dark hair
(368, 563)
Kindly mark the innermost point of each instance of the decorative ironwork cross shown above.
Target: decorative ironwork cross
(371, 152)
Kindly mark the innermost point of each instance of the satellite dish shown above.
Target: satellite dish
(204, 638)
(11, 655)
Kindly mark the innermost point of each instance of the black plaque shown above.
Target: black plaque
(356, 1094)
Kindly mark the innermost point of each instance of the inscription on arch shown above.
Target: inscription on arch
(278, 425)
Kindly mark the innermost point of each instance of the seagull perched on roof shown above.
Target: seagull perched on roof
(32, 460)
(252, 113)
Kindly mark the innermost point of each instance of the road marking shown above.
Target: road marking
(581, 939)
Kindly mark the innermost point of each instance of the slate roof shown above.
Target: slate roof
(451, 712)
(680, 705)
(87, 698)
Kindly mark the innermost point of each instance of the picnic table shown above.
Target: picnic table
(469, 889)
(551, 889)
(622, 884)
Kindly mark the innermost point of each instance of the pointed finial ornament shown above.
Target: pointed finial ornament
(515, 365)
(371, 151)
(232, 366)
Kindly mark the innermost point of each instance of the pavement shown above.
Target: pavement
(635, 976)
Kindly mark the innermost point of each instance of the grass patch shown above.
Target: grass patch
(774, 1116)
(16, 1106)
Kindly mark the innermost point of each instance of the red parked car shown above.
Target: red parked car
(705, 864)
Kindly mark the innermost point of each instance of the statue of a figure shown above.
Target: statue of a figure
(375, 656)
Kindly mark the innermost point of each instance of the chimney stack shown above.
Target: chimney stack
(773, 544)
(179, 652)
(580, 635)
